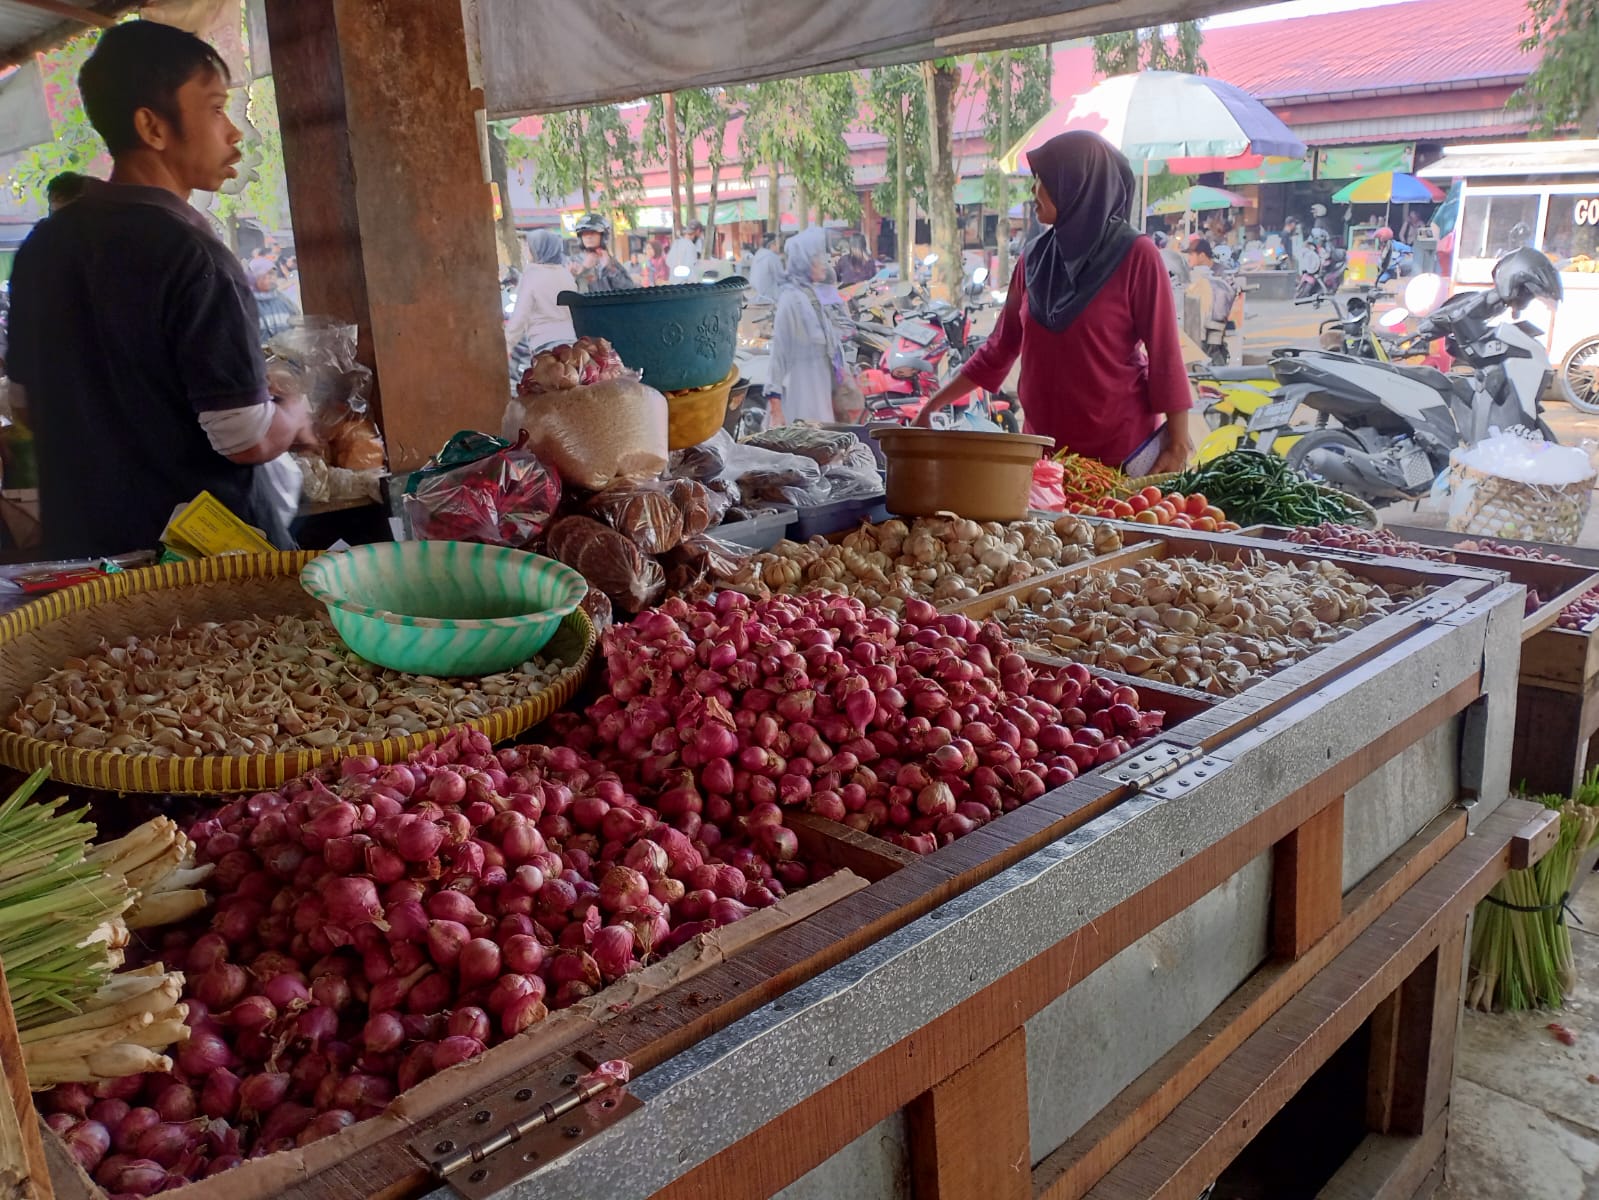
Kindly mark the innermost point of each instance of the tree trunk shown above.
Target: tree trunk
(505, 227)
(672, 164)
(802, 198)
(583, 170)
(708, 246)
(940, 82)
(774, 200)
(1002, 226)
(904, 234)
(1588, 125)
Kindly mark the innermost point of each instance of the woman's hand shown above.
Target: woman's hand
(1177, 447)
(924, 419)
(947, 395)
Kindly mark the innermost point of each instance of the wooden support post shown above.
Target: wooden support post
(393, 217)
(1413, 1044)
(1307, 882)
(24, 1174)
(969, 1135)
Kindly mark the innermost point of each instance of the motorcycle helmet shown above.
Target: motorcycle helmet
(1524, 275)
(1320, 236)
(1385, 234)
(592, 223)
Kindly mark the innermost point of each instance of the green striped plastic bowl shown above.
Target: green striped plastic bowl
(443, 608)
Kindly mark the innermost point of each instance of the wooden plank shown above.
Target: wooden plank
(1561, 658)
(1534, 839)
(1208, 1129)
(1307, 882)
(969, 1134)
(24, 1173)
(1081, 1161)
(1384, 1167)
(1548, 748)
(830, 842)
(1413, 1045)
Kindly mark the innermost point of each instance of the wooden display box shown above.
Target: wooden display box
(1557, 697)
(1557, 584)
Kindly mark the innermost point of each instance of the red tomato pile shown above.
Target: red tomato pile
(1154, 507)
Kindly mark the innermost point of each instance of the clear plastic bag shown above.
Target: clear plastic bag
(854, 475)
(609, 561)
(702, 508)
(824, 446)
(1048, 492)
(645, 513)
(595, 435)
(315, 358)
(481, 489)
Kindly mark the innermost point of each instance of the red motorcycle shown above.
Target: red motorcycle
(928, 349)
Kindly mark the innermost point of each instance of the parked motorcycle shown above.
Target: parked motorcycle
(927, 350)
(1396, 423)
(1321, 269)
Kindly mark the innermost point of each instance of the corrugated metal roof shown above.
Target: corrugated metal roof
(26, 29)
(1421, 44)
(1516, 158)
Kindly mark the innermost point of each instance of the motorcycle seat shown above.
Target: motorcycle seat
(1240, 374)
(1431, 376)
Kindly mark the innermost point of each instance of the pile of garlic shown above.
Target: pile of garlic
(945, 559)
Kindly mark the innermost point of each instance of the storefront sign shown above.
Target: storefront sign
(1585, 212)
(1273, 170)
(1353, 162)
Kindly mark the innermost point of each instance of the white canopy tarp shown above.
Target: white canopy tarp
(548, 55)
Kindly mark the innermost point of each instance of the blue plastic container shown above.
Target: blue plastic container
(680, 335)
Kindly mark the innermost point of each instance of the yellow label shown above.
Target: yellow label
(206, 526)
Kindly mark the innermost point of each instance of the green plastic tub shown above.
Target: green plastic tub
(443, 608)
(680, 335)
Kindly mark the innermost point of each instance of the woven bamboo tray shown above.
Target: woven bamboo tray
(38, 638)
(1367, 515)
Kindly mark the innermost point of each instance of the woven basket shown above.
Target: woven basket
(1366, 515)
(36, 639)
(1493, 506)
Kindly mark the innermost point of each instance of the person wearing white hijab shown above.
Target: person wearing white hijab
(537, 318)
(806, 351)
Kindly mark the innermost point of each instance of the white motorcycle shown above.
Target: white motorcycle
(1396, 424)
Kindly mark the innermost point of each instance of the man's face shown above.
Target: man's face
(590, 239)
(203, 148)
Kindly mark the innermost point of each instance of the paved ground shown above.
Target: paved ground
(1524, 1123)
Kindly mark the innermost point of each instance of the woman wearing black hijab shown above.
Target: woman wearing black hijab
(1090, 312)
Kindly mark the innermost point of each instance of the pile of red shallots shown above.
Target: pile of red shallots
(375, 927)
(917, 729)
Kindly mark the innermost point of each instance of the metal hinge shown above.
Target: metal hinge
(1153, 764)
(1188, 776)
(535, 1119)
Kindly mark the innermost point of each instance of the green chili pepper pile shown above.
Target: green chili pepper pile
(1257, 489)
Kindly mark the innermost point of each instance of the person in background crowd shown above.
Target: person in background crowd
(1411, 227)
(63, 189)
(597, 271)
(685, 251)
(275, 312)
(656, 272)
(289, 279)
(807, 354)
(196, 414)
(1290, 239)
(537, 318)
(1091, 313)
(766, 272)
(746, 259)
(853, 266)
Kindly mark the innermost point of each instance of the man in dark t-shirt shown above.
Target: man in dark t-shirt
(133, 331)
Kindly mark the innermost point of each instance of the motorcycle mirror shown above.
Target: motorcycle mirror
(1425, 293)
(980, 276)
(929, 260)
(1393, 318)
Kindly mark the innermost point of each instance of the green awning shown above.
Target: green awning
(969, 191)
(1353, 162)
(1273, 170)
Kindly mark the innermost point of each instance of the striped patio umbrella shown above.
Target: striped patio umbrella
(1199, 198)
(1165, 120)
(1388, 187)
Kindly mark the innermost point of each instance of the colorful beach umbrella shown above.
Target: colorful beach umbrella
(1199, 198)
(1388, 187)
(1165, 120)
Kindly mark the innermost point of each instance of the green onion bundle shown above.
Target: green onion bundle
(1521, 945)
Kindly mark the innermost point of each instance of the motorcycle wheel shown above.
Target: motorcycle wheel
(1317, 439)
(1579, 376)
(1008, 422)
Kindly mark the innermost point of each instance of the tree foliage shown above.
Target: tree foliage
(1563, 91)
(891, 90)
(76, 146)
(1158, 48)
(586, 150)
(702, 117)
(1016, 89)
(941, 79)
(799, 125)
